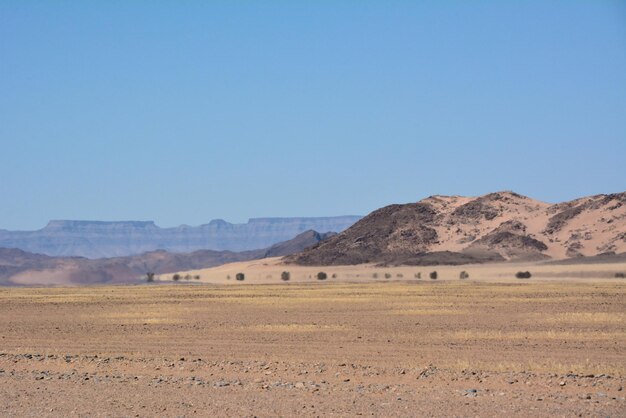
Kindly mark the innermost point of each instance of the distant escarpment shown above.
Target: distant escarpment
(494, 227)
(98, 239)
(18, 267)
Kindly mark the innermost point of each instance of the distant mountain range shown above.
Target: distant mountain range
(502, 226)
(98, 239)
(494, 227)
(18, 267)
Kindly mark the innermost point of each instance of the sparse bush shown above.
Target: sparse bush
(240, 276)
(334, 276)
(188, 277)
(418, 275)
(399, 275)
(150, 277)
(176, 277)
(375, 275)
(464, 275)
(197, 277)
(228, 277)
(620, 275)
(269, 276)
(285, 276)
(523, 274)
(433, 275)
(387, 275)
(321, 276)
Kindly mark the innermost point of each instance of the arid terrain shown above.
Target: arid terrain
(438, 230)
(494, 227)
(548, 346)
(415, 310)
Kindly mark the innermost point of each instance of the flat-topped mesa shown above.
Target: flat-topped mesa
(98, 239)
(69, 225)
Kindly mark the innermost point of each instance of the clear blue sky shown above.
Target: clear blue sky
(181, 112)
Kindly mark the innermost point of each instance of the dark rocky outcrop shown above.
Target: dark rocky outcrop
(509, 239)
(393, 231)
(304, 240)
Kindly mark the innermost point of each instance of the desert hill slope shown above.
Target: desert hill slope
(496, 226)
(20, 267)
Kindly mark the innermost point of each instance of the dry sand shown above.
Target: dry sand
(268, 271)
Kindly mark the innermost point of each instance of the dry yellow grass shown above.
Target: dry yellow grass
(565, 335)
(293, 328)
(498, 326)
(592, 318)
(428, 312)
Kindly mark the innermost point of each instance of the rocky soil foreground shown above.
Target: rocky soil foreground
(392, 349)
(40, 385)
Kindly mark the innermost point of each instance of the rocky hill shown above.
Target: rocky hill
(458, 230)
(18, 267)
(96, 239)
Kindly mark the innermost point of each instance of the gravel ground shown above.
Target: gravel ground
(394, 349)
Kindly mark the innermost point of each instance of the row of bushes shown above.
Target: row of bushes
(286, 276)
(176, 277)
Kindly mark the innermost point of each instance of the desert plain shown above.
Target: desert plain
(490, 345)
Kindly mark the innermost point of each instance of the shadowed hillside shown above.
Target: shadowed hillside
(458, 230)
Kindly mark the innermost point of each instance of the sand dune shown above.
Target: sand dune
(501, 225)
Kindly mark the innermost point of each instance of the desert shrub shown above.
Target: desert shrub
(523, 274)
(400, 275)
(150, 277)
(228, 277)
(188, 277)
(418, 275)
(269, 276)
(387, 275)
(334, 276)
(464, 275)
(285, 276)
(240, 276)
(176, 277)
(375, 275)
(321, 276)
(620, 275)
(197, 277)
(433, 275)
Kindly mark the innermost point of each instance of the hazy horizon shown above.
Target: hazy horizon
(181, 113)
(244, 221)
